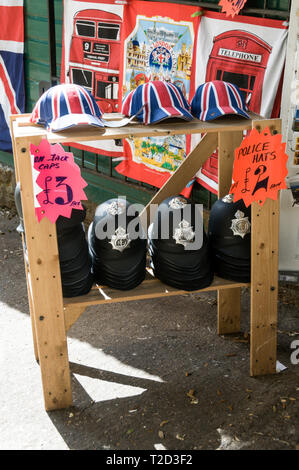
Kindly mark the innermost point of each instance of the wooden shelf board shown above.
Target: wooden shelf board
(23, 128)
(151, 287)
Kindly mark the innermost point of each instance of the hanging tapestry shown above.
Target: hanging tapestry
(12, 94)
(158, 45)
(249, 52)
(91, 53)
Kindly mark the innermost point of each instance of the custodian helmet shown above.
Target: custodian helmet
(230, 239)
(178, 245)
(117, 245)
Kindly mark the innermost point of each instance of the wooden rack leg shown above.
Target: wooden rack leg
(229, 310)
(264, 279)
(29, 293)
(228, 300)
(45, 283)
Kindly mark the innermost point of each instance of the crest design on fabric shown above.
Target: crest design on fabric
(184, 234)
(240, 225)
(159, 49)
(120, 240)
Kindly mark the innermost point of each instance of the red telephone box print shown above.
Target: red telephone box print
(95, 55)
(240, 58)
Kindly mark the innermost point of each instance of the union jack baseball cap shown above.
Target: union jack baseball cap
(156, 101)
(217, 98)
(66, 105)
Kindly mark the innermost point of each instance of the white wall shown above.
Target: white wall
(289, 215)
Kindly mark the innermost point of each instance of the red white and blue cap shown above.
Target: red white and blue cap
(156, 101)
(66, 105)
(217, 98)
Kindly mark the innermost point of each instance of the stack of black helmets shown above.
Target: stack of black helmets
(178, 245)
(74, 257)
(230, 239)
(117, 245)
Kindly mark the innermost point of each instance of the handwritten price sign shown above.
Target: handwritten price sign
(231, 7)
(260, 167)
(59, 179)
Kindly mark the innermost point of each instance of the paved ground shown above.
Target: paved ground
(145, 375)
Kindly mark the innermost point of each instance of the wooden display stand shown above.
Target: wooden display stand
(52, 315)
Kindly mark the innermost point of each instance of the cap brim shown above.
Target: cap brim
(231, 273)
(227, 111)
(182, 284)
(70, 247)
(228, 246)
(72, 120)
(177, 112)
(176, 267)
(79, 288)
(118, 262)
(107, 276)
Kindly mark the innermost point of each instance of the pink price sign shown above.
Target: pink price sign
(59, 179)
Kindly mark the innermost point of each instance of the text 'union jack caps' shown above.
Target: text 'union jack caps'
(66, 105)
(217, 98)
(156, 101)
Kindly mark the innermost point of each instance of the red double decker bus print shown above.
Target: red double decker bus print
(95, 56)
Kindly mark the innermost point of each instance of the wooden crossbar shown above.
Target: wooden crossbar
(150, 288)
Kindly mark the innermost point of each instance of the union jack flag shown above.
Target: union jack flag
(12, 95)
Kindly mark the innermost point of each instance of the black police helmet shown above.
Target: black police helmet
(117, 245)
(229, 228)
(178, 257)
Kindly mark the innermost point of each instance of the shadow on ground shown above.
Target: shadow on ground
(155, 374)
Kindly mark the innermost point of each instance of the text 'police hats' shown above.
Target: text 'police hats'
(117, 245)
(229, 234)
(217, 98)
(64, 106)
(156, 101)
(178, 245)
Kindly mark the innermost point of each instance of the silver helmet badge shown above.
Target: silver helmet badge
(229, 198)
(120, 240)
(240, 225)
(184, 234)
